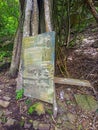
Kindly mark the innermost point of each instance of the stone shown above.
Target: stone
(6, 98)
(27, 125)
(1, 128)
(95, 44)
(44, 127)
(4, 104)
(71, 117)
(86, 102)
(10, 122)
(35, 124)
(7, 112)
(59, 121)
(68, 125)
(67, 96)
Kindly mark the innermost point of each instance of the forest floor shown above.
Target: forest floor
(77, 106)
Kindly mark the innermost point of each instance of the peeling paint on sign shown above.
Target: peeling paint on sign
(38, 66)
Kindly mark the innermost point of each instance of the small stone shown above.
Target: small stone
(1, 128)
(68, 125)
(6, 98)
(95, 44)
(27, 125)
(7, 112)
(10, 122)
(71, 117)
(59, 120)
(35, 124)
(4, 104)
(44, 127)
(67, 96)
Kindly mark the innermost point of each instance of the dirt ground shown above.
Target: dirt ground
(82, 63)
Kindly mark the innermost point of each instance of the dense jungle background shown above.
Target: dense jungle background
(76, 25)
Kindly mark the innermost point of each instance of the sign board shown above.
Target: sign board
(38, 66)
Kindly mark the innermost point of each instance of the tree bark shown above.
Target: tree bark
(92, 9)
(35, 18)
(47, 7)
(28, 9)
(41, 16)
(17, 47)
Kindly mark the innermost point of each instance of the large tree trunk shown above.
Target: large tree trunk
(92, 9)
(16, 54)
(17, 45)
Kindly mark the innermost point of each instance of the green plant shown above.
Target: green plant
(19, 93)
(32, 108)
(28, 102)
(4, 54)
(38, 107)
(3, 119)
(49, 111)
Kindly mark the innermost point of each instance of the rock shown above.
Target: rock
(44, 127)
(71, 117)
(59, 121)
(27, 125)
(6, 98)
(67, 96)
(10, 122)
(86, 102)
(68, 125)
(4, 104)
(1, 128)
(35, 124)
(95, 44)
(7, 112)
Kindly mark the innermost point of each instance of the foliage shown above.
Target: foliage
(4, 55)
(50, 112)
(76, 17)
(28, 102)
(9, 13)
(19, 93)
(38, 107)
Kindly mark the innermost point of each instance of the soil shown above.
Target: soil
(82, 63)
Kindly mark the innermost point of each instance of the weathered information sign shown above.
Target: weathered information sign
(38, 66)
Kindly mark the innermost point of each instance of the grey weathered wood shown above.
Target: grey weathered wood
(70, 81)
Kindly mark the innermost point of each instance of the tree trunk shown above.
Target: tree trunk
(35, 19)
(41, 16)
(28, 9)
(47, 7)
(17, 48)
(92, 9)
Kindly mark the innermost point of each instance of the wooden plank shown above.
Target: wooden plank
(70, 81)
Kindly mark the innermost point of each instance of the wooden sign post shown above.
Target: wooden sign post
(38, 66)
